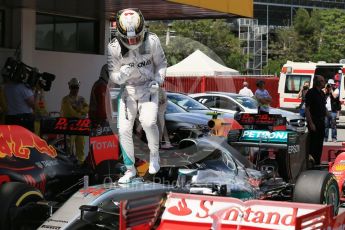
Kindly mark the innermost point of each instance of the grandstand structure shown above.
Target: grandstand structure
(269, 14)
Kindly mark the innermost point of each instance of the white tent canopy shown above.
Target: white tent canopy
(199, 64)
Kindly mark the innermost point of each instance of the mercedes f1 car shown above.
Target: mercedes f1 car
(261, 160)
(266, 170)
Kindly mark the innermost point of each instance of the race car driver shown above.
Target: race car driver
(136, 61)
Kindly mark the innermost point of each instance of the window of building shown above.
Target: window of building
(294, 83)
(2, 29)
(66, 34)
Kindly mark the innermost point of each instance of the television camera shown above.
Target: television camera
(17, 71)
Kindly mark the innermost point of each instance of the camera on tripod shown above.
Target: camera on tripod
(17, 71)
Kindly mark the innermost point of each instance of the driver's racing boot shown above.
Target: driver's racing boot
(154, 163)
(129, 175)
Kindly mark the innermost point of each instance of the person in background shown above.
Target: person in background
(20, 103)
(338, 75)
(245, 91)
(75, 106)
(315, 113)
(137, 62)
(163, 133)
(97, 108)
(40, 105)
(301, 95)
(263, 97)
(333, 107)
(337, 79)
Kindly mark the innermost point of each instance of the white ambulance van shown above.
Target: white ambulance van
(294, 74)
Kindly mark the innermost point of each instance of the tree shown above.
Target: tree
(213, 37)
(299, 42)
(273, 67)
(331, 37)
(315, 36)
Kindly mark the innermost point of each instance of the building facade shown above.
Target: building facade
(269, 14)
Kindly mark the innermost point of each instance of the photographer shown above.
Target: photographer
(20, 104)
(19, 95)
(301, 95)
(333, 106)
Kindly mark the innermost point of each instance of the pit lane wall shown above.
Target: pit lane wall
(231, 84)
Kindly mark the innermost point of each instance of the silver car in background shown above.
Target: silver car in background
(232, 102)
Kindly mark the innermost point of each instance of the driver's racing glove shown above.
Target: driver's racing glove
(153, 86)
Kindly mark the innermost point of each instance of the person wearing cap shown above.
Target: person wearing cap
(137, 62)
(333, 107)
(263, 97)
(75, 106)
(245, 91)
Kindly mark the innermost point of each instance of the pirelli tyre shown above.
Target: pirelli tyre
(13, 196)
(317, 187)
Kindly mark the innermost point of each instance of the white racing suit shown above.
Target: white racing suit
(135, 70)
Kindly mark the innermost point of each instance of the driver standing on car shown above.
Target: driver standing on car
(136, 61)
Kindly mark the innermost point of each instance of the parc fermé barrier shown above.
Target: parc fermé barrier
(232, 84)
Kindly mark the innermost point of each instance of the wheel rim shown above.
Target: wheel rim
(332, 197)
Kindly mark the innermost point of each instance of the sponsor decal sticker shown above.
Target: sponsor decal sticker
(265, 136)
(272, 215)
(92, 191)
(17, 141)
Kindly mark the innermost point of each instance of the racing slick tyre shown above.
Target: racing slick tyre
(13, 196)
(317, 187)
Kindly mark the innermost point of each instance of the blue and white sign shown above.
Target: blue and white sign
(265, 136)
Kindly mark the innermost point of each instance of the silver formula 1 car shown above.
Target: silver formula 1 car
(267, 165)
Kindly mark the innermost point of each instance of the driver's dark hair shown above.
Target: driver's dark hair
(260, 83)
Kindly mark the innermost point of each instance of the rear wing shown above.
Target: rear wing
(208, 212)
(103, 140)
(265, 131)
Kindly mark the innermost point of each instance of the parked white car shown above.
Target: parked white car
(232, 102)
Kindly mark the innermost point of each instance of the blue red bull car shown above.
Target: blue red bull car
(33, 171)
